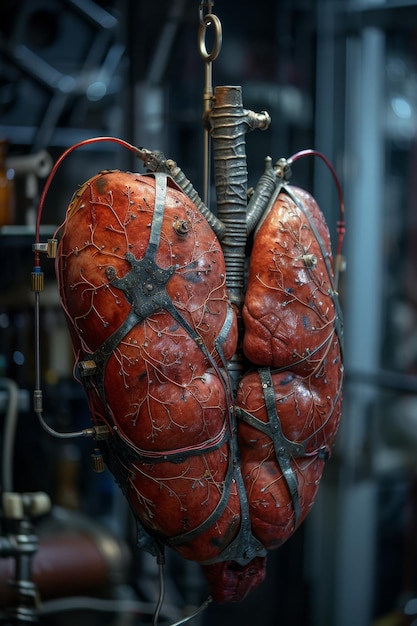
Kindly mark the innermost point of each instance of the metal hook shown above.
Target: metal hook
(210, 20)
(206, 20)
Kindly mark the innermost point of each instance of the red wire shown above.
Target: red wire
(53, 171)
(341, 228)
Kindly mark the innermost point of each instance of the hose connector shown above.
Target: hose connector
(37, 279)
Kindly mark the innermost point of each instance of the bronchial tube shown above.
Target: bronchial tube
(229, 122)
(228, 128)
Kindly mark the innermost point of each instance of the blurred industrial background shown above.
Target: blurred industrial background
(337, 76)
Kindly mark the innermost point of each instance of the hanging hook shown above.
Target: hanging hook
(208, 19)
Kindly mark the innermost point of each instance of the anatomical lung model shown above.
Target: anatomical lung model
(219, 474)
(209, 348)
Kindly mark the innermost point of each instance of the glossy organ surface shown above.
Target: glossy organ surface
(142, 281)
(292, 325)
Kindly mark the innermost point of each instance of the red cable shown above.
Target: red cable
(341, 229)
(52, 173)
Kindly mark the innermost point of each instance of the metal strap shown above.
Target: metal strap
(282, 447)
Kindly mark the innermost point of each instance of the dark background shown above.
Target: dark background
(75, 69)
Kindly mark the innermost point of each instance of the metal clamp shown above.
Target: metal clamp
(50, 248)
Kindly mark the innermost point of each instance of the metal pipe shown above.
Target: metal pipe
(228, 123)
(9, 434)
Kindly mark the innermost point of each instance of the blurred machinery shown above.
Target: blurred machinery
(114, 82)
(55, 561)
